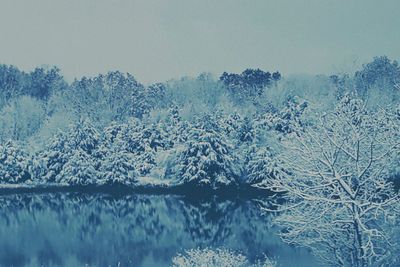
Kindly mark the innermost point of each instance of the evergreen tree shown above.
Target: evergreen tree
(140, 141)
(53, 159)
(84, 136)
(70, 150)
(78, 170)
(118, 167)
(13, 164)
(262, 165)
(246, 132)
(207, 160)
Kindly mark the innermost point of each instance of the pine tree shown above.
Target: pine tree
(53, 159)
(140, 141)
(246, 133)
(262, 165)
(84, 136)
(176, 128)
(118, 167)
(78, 170)
(13, 164)
(207, 160)
(66, 151)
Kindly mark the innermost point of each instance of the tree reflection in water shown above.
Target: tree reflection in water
(75, 229)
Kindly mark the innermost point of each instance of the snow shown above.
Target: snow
(147, 181)
(329, 146)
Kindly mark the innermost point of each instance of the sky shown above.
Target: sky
(157, 40)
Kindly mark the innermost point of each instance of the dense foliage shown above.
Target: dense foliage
(328, 144)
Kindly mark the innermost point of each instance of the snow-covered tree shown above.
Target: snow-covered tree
(290, 117)
(155, 95)
(176, 128)
(13, 164)
(78, 170)
(262, 165)
(21, 118)
(246, 131)
(286, 120)
(248, 85)
(118, 87)
(230, 124)
(207, 160)
(53, 159)
(338, 199)
(139, 140)
(118, 167)
(84, 136)
(11, 83)
(140, 103)
(68, 151)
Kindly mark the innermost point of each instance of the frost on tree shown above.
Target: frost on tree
(142, 143)
(70, 151)
(286, 120)
(261, 166)
(339, 200)
(176, 128)
(207, 160)
(13, 164)
(118, 167)
(247, 132)
(78, 170)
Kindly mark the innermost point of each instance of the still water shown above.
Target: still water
(76, 229)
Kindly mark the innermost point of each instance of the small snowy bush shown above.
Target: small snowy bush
(216, 258)
(209, 258)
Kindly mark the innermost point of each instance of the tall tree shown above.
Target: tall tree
(338, 199)
(13, 164)
(207, 159)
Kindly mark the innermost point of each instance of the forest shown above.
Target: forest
(326, 148)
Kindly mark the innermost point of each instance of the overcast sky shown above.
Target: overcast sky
(156, 40)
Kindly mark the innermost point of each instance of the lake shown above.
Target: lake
(97, 229)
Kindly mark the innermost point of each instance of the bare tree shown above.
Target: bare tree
(338, 200)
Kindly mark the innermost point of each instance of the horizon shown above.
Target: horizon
(157, 41)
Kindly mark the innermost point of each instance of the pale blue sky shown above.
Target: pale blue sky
(156, 40)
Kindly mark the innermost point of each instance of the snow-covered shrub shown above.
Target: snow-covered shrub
(13, 164)
(216, 258)
(209, 258)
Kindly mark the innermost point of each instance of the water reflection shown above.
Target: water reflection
(72, 229)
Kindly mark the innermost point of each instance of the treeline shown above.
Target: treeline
(213, 150)
(219, 126)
